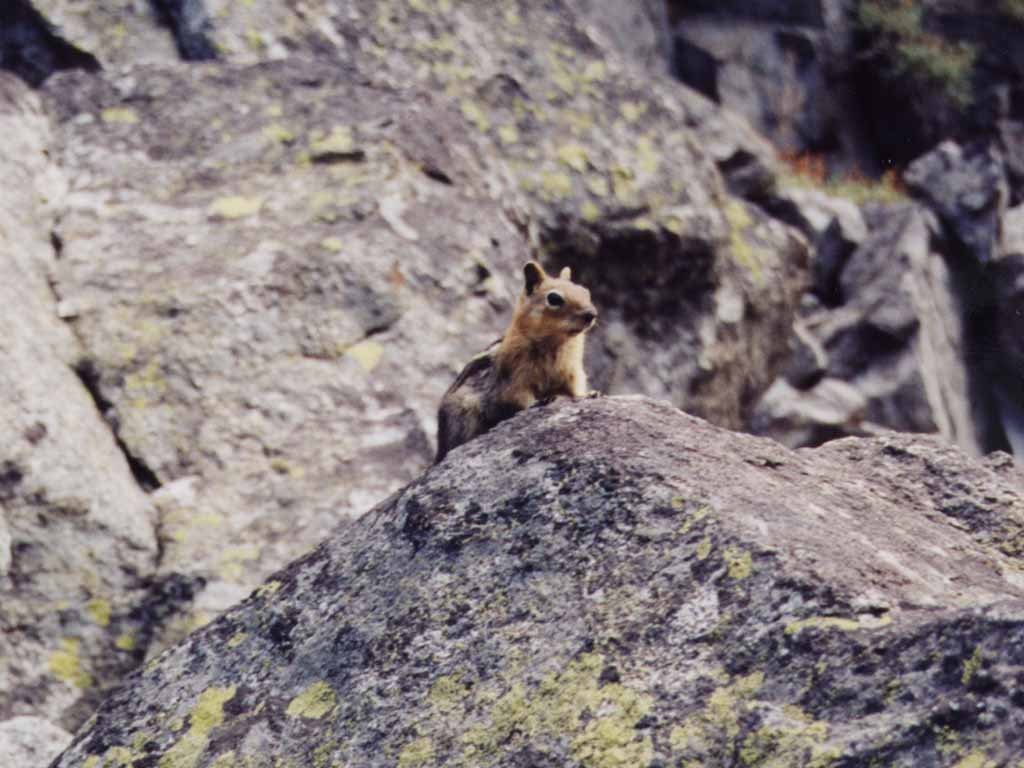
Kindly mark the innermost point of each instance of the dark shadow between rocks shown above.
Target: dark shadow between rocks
(31, 50)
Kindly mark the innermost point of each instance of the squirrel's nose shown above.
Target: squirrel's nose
(589, 316)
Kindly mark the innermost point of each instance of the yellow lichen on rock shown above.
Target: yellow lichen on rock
(971, 667)
(447, 693)
(556, 707)
(473, 112)
(234, 207)
(332, 244)
(278, 134)
(207, 714)
(574, 156)
(225, 760)
(704, 548)
(99, 611)
(232, 560)
(647, 158)
(366, 353)
(746, 254)
(590, 211)
(66, 664)
(313, 703)
(338, 142)
(976, 759)
(237, 639)
(119, 116)
(837, 622)
(718, 724)
(555, 185)
(738, 562)
(416, 753)
(268, 589)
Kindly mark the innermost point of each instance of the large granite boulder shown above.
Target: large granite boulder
(612, 583)
(273, 295)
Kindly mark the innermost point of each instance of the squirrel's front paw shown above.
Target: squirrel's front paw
(594, 393)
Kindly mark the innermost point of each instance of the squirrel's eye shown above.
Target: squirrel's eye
(555, 299)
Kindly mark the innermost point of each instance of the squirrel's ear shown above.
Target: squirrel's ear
(565, 274)
(534, 275)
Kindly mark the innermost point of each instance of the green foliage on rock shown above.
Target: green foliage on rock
(1012, 8)
(899, 35)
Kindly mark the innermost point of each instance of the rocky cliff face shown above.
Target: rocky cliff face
(613, 583)
(868, 83)
(253, 278)
(249, 246)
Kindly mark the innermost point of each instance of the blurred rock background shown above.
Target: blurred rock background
(245, 247)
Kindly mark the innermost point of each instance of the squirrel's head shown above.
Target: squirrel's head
(553, 307)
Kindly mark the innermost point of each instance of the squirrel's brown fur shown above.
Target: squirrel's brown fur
(539, 357)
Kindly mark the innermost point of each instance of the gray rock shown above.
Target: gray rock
(808, 360)
(834, 226)
(1011, 142)
(580, 587)
(774, 76)
(810, 416)
(637, 30)
(77, 541)
(899, 337)
(29, 47)
(967, 189)
(122, 35)
(30, 742)
(1005, 353)
(113, 36)
(823, 78)
(276, 270)
(273, 298)
(1013, 232)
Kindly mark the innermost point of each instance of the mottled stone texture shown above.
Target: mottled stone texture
(614, 583)
(241, 286)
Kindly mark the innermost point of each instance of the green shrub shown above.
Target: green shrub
(1012, 8)
(902, 20)
(912, 52)
(947, 65)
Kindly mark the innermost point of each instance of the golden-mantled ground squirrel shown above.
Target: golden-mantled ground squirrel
(539, 357)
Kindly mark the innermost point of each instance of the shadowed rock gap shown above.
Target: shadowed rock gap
(190, 24)
(31, 49)
(90, 378)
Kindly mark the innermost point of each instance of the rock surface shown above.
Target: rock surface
(872, 84)
(272, 302)
(311, 266)
(968, 191)
(886, 339)
(29, 47)
(30, 741)
(610, 583)
(272, 265)
(77, 544)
